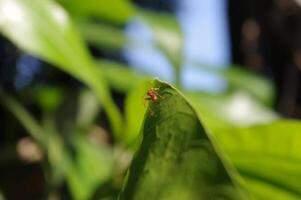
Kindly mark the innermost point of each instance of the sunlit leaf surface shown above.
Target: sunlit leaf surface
(117, 11)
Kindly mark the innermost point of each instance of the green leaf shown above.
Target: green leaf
(236, 109)
(119, 76)
(48, 98)
(44, 29)
(267, 156)
(258, 86)
(92, 166)
(25, 118)
(177, 158)
(238, 78)
(88, 108)
(104, 36)
(1, 196)
(135, 107)
(118, 11)
(168, 37)
(85, 167)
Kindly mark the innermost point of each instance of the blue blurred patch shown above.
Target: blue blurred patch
(27, 67)
(206, 40)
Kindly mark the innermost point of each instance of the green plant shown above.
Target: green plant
(178, 156)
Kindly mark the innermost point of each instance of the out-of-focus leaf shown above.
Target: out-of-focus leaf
(168, 37)
(118, 11)
(48, 141)
(119, 76)
(58, 158)
(237, 109)
(267, 156)
(48, 98)
(93, 165)
(43, 28)
(31, 125)
(103, 36)
(88, 108)
(241, 79)
(177, 159)
(263, 191)
(258, 86)
(1, 196)
(135, 107)
(88, 166)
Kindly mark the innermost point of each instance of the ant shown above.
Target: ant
(152, 95)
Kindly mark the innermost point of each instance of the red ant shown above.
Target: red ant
(152, 95)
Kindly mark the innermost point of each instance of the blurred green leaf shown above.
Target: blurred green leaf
(119, 76)
(177, 159)
(45, 137)
(25, 118)
(168, 37)
(48, 98)
(88, 108)
(1, 196)
(263, 191)
(57, 154)
(267, 156)
(118, 11)
(103, 36)
(237, 109)
(238, 78)
(135, 107)
(258, 86)
(86, 166)
(44, 29)
(93, 165)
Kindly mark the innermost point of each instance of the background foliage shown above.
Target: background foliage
(87, 138)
